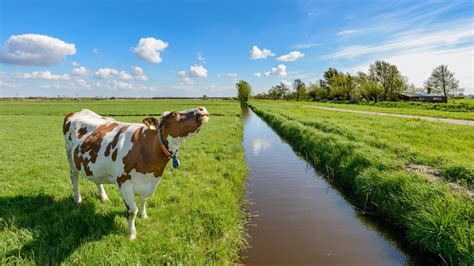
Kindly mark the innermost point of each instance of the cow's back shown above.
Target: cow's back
(97, 144)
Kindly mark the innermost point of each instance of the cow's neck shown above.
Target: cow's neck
(175, 142)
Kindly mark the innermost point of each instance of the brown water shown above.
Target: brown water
(300, 219)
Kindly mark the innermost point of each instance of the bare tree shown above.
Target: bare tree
(443, 81)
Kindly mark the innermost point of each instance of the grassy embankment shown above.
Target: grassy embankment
(461, 109)
(367, 157)
(195, 213)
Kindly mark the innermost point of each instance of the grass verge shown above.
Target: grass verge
(195, 213)
(432, 215)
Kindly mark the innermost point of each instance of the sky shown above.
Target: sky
(194, 48)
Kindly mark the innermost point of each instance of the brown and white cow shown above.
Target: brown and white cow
(131, 155)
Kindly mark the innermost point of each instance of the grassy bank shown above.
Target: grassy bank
(195, 213)
(367, 157)
(458, 110)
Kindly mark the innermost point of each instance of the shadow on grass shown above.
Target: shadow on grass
(57, 227)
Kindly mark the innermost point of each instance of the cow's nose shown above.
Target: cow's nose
(202, 110)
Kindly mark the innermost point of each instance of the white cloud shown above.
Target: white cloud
(345, 32)
(414, 40)
(76, 64)
(35, 49)
(185, 79)
(305, 45)
(95, 51)
(198, 71)
(139, 74)
(258, 74)
(47, 75)
(232, 75)
(105, 73)
(278, 71)
(200, 57)
(79, 71)
(120, 85)
(256, 53)
(150, 49)
(125, 76)
(292, 56)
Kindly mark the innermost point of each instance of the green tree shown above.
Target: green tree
(443, 81)
(390, 77)
(317, 92)
(370, 90)
(300, 89)
(243, 90)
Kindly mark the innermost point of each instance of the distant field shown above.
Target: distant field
(395, 167)
(195, 213)
(461, 109)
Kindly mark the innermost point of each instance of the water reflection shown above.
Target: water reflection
(259, 145)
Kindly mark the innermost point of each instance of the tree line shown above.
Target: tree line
(382, 82)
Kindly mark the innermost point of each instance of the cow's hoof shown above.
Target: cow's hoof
(104, 199)
(144, 215)
(133, 235)
(77, 199)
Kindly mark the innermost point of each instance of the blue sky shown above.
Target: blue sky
(191, 48)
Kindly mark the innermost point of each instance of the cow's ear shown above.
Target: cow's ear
(151, 122)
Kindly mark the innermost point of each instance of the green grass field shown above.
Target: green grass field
(461, 109)
(195, 213)
(367, 156)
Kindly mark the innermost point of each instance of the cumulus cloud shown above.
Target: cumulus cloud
(139, 74)
(76, 64)
(120, 84)
(185, 79)
(198, 71)
(125, 76)
(258, 74)
(47, 75)
(280, 70)
(256, 53)
(292, 56)
(232, 75)
(35, 50)
(150, 49)
(105, 73)
(79, 71)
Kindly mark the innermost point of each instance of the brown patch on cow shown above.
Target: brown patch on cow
(77, 159)
(114, 142)
(114, 155)
(92, 145)
(67, 123)
(121, 179)
(146, 155)
(151, 121)
(81, 132)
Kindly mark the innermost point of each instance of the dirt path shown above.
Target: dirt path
(433, 119)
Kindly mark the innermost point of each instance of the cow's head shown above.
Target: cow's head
(177, 126)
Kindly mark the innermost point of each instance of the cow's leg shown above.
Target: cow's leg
(102, 193)
(75, 185)
(143, 213)
(128, 197)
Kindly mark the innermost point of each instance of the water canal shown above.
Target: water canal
(299, 217)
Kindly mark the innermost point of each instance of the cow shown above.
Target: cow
(131, 155)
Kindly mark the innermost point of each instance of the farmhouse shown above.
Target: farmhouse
(425, 97)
